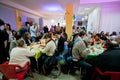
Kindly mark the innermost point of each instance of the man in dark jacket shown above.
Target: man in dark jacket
(108, 60)
(3, 44)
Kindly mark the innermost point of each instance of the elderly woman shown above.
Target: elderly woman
(48, 51)
(19, 55)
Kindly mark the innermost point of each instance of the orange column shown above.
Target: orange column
(18, 18)
(69, 19)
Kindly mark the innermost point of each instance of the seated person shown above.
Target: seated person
(62, 39)
(27, 38)
(79, 52)
(48, 51)
(14, 42)
(109, 59)
(19, 55)
(32, 59)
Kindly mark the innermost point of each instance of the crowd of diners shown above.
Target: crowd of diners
(13, 46)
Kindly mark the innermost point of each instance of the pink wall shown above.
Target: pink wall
(110, 17)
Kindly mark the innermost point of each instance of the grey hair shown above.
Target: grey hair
(20, 43)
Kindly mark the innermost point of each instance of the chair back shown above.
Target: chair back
(114, 75)
(8, 71)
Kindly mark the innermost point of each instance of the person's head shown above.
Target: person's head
(14, 33)
(35, 24)
(27, 24)
(58, 24)
(48, 37)
(7, 26)
(94, 33)
(114, 33)
(82, 34)
(102, 33)
(107, 34)
(87, 41)
(27, 35)
(73, 27)
(117, 39)
(21, 43)
(18, 37)
(110, 45)
(97, 37)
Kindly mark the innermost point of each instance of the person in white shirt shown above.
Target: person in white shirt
(33, 32)
(20, 54)
(48, 51)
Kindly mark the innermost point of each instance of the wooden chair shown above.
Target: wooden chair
(9, 71)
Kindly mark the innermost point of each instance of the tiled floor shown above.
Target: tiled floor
(61, 77)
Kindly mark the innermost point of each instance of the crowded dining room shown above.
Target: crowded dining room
(59, 39)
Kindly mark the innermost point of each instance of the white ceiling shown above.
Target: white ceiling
(53, 7)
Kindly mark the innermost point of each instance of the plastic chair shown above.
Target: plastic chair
(9, 71)
(114, 75)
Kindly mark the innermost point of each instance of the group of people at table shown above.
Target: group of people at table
(100, 53)
(105, 53)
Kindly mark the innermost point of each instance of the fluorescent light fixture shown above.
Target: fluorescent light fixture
(52, 7)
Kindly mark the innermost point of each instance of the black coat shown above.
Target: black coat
(3, 53)
(27, 41)
(108, 60)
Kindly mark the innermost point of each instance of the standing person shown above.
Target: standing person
(22, 31)
(45, 29)
(33, 32)
(27, 26)
(8, 32)
(58, 28)
(52, 29)
(3, 44)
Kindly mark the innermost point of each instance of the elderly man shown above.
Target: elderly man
(79, 52)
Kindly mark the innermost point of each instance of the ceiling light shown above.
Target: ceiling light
(52, 7)
(52, 21)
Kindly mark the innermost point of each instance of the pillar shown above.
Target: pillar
(69, 19)
(18, 18)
